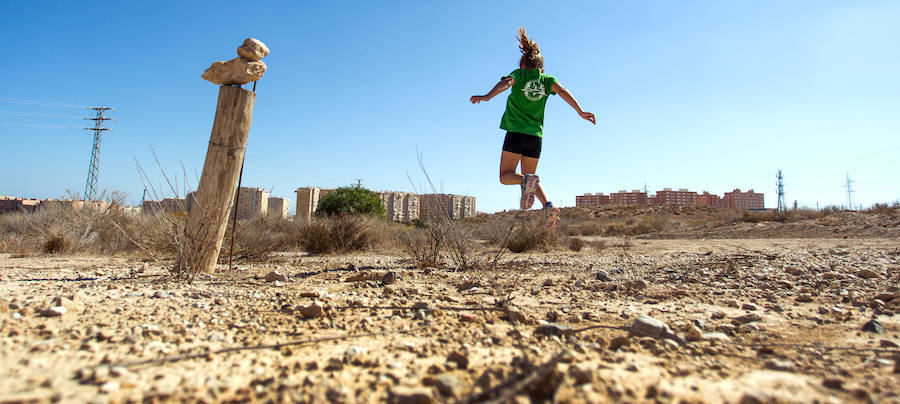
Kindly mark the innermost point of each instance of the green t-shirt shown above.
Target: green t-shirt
(525, 105)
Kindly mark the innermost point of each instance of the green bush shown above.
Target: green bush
(350, 200)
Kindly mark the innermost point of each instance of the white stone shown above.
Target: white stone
(110, 387)
(651, 327)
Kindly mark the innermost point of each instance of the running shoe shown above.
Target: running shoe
(552, 216)
(529, 184)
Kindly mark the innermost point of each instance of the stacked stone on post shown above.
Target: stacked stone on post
(241, 70)
(208, 217)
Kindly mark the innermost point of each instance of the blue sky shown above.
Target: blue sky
(704, 95)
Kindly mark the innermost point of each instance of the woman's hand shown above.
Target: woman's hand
(478, 98)
(588, 116)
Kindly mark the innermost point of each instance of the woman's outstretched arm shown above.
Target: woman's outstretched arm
(500, 87)
(567, 96)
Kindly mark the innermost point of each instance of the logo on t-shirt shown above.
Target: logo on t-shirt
(534, 90)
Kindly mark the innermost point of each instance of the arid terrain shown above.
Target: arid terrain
(757, 313)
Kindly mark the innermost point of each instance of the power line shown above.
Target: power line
(34, 125)
(37, 115)
(883, 151)
(42, 103)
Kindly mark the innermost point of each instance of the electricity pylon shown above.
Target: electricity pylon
(779, 184)
(90, 188)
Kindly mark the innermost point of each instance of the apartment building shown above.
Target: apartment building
(681, 197)
(708, 199)
(252, 202)
(623, 197)
(411, 207)
(400, 206)
(743, 200)
(590, 200)
(279, 207)
(446, 206)
(393, 204)
(72, 204)
(9, 204)
(307, 202)
(170, 205)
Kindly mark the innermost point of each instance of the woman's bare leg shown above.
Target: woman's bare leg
(529, 166)
(508, 163)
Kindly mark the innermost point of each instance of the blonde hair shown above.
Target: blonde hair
(531, 53)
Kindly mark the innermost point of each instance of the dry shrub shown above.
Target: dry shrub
(624, 245)
(884, 209)
(649, 223)
(338, 234)
(423, 245)
(159, 233)
(12, 244)
(449, 242)
(531, 235)
(787, 216)
(57, 244)
(88, 230)
(459, 242)
(258, 237)
(576, 244)
(592, 228)
(598, 245)
(493, 232)
(616, 229)
(456, 237)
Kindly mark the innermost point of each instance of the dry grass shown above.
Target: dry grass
(439, 243)
(256, 238)
(62, 229)
(598, 246)
(615, 221)
(158, 233)
(890, 210)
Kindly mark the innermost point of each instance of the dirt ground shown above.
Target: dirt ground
(756, 321)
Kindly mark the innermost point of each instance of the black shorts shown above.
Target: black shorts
(523, 143)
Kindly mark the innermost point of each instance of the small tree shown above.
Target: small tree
(351, 200)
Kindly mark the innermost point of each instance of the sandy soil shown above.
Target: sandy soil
(762, 320)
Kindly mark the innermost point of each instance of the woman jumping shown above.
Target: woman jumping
(524, 122)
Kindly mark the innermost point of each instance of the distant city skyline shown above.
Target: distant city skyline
(734, 199)
(704, 95)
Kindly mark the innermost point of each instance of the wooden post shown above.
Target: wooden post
(208, 217)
